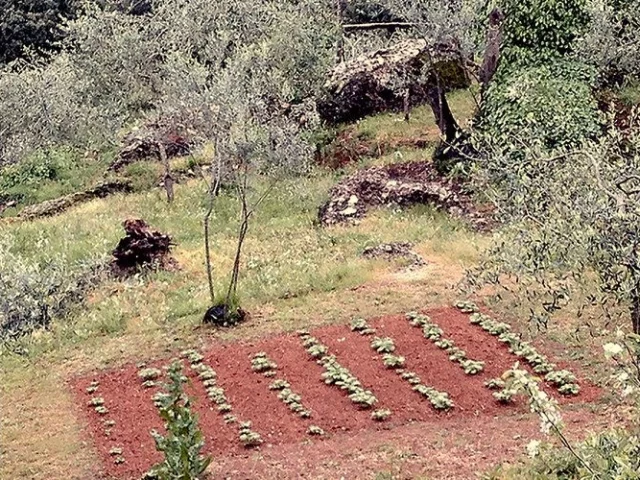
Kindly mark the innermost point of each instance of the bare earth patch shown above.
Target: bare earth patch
(427, 441)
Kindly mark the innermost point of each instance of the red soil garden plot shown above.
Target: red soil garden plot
(131, 407)
(480, 345)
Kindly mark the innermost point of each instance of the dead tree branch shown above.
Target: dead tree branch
(351, 27)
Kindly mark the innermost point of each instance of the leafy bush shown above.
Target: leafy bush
(32, 294)
(544, 29)
(184, 441)
(549, 103)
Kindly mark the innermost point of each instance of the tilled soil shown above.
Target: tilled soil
(131, 407)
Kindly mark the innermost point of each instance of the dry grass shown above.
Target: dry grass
(42, 438)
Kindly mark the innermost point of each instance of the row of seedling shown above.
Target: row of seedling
(261, 363)
(433, 332)
(335, 374)
(216, 394)
(563, 380)
(98, 405)
(386, 347)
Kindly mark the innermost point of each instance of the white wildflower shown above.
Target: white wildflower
(612, 350)
(533, 448)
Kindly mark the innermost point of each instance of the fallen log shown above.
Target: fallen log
(59, 205)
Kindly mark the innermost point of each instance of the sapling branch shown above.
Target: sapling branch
(213, 190)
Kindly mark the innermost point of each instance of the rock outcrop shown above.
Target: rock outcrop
(385, 80)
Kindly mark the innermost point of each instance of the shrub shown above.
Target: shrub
(550, 103)
(32, 294)
(544, 29)
(183, 442)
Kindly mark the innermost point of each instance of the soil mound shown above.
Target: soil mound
(402, 184)
(388, 251)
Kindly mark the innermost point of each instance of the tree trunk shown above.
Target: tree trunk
(407, 105)
(168, 178)
(214, 187)
(492, 49)
(341, 6)
(635, 310)
(442, 113)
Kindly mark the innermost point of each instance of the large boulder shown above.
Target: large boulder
(377, 81)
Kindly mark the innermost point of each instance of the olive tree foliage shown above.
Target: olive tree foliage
(572, 224)
(437, 20)
(612, 41)
(116, 68)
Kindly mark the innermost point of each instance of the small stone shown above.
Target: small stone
(347, 212)
(353, 200)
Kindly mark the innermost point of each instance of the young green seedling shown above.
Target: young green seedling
(380, 414)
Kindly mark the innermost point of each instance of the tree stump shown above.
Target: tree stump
(142, 248)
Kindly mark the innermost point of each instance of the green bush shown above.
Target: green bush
(548, 103)
(51, 173)
(34, 170)
(32, 294)
(545, 29)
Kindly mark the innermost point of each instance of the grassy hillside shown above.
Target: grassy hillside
(294, 274)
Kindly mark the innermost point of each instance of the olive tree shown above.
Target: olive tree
(256, 131)
(612, 41)
(115, 69)
(572, 223)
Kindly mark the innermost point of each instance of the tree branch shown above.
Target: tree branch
(351, 27)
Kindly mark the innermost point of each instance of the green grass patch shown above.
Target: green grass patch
(51, 174)
(391, 126)
(286, 254)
